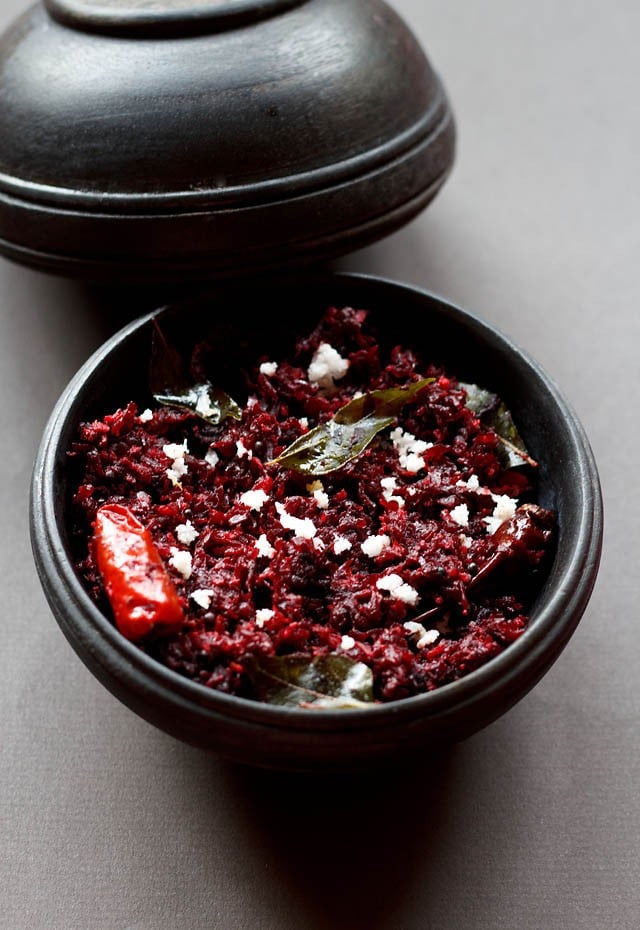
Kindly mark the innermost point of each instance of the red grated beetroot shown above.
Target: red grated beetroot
(414, 558)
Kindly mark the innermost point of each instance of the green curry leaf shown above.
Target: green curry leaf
(333, 682)
(331, 445)
(209, 403)
(170, 386)
(493, 413)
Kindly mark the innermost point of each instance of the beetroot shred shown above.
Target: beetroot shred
(414, 557)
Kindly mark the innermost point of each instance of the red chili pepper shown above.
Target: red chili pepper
(141, 593)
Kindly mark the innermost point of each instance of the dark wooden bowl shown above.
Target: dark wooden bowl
(185, 138)
(284, 738)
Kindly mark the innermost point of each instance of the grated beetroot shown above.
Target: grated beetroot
(265, 585)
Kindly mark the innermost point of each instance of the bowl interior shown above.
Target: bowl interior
(247, 321)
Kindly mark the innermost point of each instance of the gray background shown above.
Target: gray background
(106, 823)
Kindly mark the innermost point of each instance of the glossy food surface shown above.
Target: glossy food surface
(304, 527)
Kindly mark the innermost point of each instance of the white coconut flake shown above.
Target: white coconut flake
(187, 533)
(406, 594)
(304, 528)
(322, 499)
(412, 627)
(242, 451)
(425, 637)
(389, 485)
(304, 422)
(174, 450)
(465, 540)
(412, 462)
(178, 468)
(471, 484)
(341, 544)
(268, 368)
(405, 442)
(409, 449)
(389, 582)
(318, 544)
(347, 642)
(262, 615)
(418, 446)
(373, 545)
(212, 458)
(399, 439)
(264, 547)
(327, 366)
(202, 597)
(460, 515)
(177, 471)
(398, 589)
(181, 561)
(254, 499)
(316, 488)
(505, 508)
(146, 415)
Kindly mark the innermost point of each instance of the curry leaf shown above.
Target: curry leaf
(331, 445)
(209, 403)
(494, 414)
(171, 387)
(334, 682)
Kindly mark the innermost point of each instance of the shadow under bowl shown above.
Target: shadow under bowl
(262, 317)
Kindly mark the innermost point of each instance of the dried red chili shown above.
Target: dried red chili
(141, 594)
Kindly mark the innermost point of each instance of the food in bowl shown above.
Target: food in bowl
(359, 528)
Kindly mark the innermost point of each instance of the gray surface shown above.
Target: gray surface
(534, 823)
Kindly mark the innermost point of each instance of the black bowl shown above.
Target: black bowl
(268, 313)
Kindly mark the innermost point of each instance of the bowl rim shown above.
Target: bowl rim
(84, 624)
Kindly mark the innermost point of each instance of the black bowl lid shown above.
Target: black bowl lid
(161, 17)
(175, 138)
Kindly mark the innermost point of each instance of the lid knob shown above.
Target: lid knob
(162, 17)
